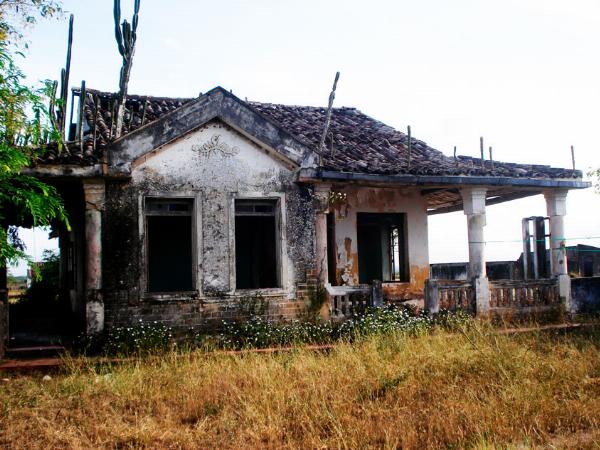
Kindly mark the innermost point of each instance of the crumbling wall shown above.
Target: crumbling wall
(382, 200)
(215, 164)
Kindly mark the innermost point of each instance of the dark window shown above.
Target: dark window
(256, 225)
(169, 244)
(382, 250)
(331, 258)
(588, 267)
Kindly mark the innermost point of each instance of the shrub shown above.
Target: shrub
(259, 333)
(385, 320)
(135, 340)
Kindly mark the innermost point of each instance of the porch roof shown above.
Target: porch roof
(443, 192)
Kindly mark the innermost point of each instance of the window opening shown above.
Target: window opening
(256, 245)
(169, 244)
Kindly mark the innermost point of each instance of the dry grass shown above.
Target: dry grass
(471, 390)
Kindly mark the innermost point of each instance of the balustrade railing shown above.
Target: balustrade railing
(517, 294)
(348, 300)
(448, 294)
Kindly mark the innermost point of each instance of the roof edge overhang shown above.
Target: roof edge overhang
(54, 171)
(215, 104)
(312, 175)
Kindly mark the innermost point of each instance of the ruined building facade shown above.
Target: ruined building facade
(205, 204)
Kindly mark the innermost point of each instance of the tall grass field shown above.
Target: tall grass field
(472, 388)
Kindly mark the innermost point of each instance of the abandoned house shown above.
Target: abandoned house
(204, 203)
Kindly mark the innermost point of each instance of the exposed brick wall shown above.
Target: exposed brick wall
(185, 313)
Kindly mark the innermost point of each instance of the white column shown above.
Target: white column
(322, 208)
(94, 205)
(556, 208)
(474, 208)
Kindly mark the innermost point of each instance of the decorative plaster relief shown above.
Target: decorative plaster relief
(215, 146)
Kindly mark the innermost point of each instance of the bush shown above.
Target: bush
(453, 320)
(136, 340)
(258, 332)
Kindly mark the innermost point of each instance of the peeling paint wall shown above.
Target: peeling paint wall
(382, 200)
(215, 164)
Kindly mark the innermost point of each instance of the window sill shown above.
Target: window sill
(165, 296)
(265, 292)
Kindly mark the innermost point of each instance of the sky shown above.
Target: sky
(522, 74)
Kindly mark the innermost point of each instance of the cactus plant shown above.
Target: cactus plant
(126, 35)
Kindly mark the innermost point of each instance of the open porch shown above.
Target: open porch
(404, 273)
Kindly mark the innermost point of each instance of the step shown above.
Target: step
(34, 351)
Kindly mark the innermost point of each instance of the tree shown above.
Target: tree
(25, 132)
(17, 15)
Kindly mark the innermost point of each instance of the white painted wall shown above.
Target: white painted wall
(221, 164)
(383, 200)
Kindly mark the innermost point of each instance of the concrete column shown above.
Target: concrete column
(94, 205)
(322, 208)
(556, 208)
(474, 209)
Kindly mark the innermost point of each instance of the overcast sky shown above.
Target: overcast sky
(523, 74)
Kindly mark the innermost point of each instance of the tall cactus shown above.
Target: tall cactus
(125, 34)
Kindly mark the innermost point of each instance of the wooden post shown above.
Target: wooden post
(482, 154)
(491, 158)
(327, 119)
(82, 97)
(455, 159)
(409, 147)
(573, 156)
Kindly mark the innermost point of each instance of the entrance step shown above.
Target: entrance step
(33, 352)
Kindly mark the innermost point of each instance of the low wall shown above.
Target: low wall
(585, 294)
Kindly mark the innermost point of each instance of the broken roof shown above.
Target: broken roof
(356, 143)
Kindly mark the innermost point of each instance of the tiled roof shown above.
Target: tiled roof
(355, 142)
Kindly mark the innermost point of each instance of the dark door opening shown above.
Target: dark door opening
(256, 225)
(382, 247)
(331, 250)
(39, 311)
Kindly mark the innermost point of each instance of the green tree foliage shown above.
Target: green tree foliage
(25, 132)
(45, 286)
(17, 15)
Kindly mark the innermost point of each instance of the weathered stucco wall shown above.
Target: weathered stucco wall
(215, 165)
(382, 200)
